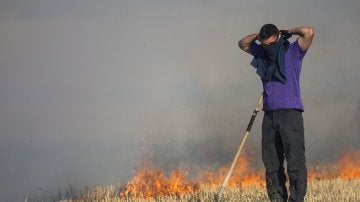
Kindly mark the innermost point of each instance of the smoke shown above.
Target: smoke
(87, 89)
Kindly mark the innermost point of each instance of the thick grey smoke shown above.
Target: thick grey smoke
(88, 87)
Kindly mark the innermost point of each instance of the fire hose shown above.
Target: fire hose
(247, 132)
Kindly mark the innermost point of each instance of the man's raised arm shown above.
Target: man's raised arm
(246, 42)
(306, 35)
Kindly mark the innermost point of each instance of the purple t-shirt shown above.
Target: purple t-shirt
(278, 95)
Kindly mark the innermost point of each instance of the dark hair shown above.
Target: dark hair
(267, 31)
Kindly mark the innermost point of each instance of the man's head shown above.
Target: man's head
(268, 35)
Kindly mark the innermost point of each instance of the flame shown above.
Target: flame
(151, 181)
(242, 176)
(347, 167)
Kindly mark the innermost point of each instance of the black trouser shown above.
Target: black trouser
(283, 137)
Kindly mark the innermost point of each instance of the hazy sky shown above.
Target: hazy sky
(87, 87)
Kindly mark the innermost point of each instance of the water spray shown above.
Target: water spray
(247, 132)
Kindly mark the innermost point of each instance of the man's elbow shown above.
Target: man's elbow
(310, 32)
(242, 46)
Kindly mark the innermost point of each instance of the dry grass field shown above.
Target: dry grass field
(338, 181)
(318, 190)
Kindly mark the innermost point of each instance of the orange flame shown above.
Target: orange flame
(347, 167)
(242, 176)
(151, 181)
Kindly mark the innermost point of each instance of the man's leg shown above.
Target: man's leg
(273, 158)
(292, 133)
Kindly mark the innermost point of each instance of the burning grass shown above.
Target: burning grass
(151, 181)
(318, 190)
(339, 181)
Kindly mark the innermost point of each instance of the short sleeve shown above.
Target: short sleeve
(297, 50)
(254, 48)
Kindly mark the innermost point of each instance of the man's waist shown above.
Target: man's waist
(282, 110)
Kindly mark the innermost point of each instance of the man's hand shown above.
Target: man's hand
(286, 34)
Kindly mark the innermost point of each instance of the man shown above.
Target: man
(279, 63)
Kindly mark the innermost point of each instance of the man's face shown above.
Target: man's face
(270, 41)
